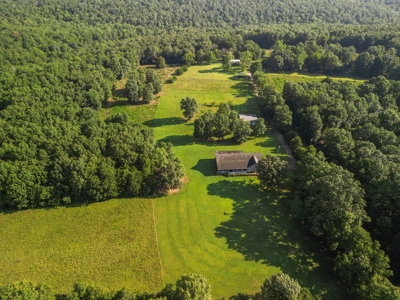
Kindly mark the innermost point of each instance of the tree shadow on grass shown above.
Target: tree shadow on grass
(206, 166)
(164, 122)
(183, 140)
(120, 93)
(269, 143)
(260, 229)
(214, 70)
(179, 140)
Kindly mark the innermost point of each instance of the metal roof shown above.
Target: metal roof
(248, 117)
(235, 160)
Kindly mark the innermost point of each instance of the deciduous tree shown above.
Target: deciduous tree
(242, 131)
(281, 287)
(193, 287)
(271, 171)
(189, 107)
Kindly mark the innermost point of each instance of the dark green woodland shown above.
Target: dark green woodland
(59, 61)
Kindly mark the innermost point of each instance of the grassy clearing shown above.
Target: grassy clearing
(111, 244)
(278, 79)
(138, 112)
(226, 228)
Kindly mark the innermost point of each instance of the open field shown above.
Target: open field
(137, 112)
(226, 228)
(111, 244)
(278, 79)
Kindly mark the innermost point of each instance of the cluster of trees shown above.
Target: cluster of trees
(334, 59)
(330, 204)
(357, 129)
(271, 102)
(52, 155)
(376, 61)
(181, 70)
(224, 122)
(142, 84)
(188, 287)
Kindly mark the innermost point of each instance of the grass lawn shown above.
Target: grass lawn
(111, 244)
(226, 228)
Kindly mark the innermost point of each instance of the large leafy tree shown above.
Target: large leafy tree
(226, 61)
(246, 58)
(259, 127)
(189, 107)
(241, 131)
(204, 126)
(193, 287)
(338, 144)
(155, 79)
(221, 123)
(283, 117)
(148, 93)
(160, 63)
(188, 58)
(132, 90)
(329, 200)
(281, 287)
(271, 171)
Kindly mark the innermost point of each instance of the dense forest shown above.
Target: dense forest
(352, 183)
(59, 62)
(202, 13)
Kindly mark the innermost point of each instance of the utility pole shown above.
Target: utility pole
(279, 147)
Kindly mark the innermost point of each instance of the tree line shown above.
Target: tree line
(188, 287)
(54, 155)
(222, 123)
(334, 59)
(352, 182)
(185, 13)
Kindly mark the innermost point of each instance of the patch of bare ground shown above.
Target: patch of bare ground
(183, 180)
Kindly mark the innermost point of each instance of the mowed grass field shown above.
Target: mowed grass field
(111, 244)
(226, 228)
(278, 79)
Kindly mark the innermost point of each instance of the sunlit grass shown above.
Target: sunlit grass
(111, 244)
(226, 228)
(278, 79)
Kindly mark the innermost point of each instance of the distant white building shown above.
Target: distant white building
(252, 118)
(235, 62)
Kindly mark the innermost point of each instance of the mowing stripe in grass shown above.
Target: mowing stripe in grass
(156, 238)
(239, 250)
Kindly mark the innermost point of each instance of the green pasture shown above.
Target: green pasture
(226, 228)
(138, 112)
(111, 244)
(278, 79)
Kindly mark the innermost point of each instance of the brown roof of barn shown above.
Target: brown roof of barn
(235, 160)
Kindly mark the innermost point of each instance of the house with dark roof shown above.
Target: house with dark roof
(236, 162)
